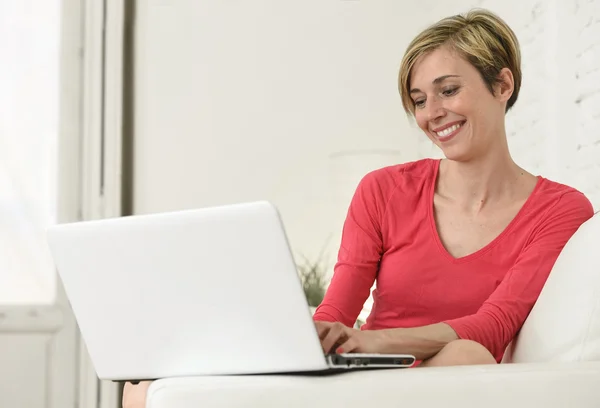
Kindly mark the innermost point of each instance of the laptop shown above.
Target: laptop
(212, 291)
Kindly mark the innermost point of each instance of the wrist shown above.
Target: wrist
(422, 342)
(391, 341)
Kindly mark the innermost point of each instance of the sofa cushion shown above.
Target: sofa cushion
(497, 386)
(564, 324)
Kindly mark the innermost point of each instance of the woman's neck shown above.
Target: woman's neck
(474, 184)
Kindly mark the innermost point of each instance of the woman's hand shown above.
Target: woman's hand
(134, 396)
(338, 338)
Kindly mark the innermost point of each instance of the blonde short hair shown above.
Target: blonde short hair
(479, 36)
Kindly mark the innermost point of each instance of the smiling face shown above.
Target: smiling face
(455, 108)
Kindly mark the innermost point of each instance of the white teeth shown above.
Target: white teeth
(449, 130)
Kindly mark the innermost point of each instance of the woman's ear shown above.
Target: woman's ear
(505, 86)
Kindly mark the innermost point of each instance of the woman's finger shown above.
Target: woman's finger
(351, 345)
(336, 335)
(323, 328)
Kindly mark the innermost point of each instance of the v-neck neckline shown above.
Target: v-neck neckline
(490, 245)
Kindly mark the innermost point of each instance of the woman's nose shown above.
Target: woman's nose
(435, 110)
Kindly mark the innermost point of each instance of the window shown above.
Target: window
(29, 121)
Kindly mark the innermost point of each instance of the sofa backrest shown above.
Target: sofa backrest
(564, 324)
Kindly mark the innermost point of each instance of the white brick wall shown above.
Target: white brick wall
(554, 128)
(586, 77)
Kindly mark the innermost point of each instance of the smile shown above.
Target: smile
(449, 132)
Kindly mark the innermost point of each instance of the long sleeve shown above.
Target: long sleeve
(500, 317)
(360, 251)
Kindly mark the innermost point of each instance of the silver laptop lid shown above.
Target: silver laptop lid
(197, 292)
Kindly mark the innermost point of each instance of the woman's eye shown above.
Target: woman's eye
(420, 103)
(449, 92)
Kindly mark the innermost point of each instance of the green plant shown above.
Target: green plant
(314, 283)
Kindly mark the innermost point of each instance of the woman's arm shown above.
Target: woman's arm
(421, 342)
(501, 316)
(360, 251)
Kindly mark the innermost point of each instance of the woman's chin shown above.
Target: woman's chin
(454, 150)
(455, 153)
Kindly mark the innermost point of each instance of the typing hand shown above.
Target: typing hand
(338, 338)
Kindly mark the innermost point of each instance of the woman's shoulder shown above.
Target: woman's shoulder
(561, 199)
(408, 174)
(406, 182)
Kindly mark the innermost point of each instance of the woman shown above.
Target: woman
(460, 247)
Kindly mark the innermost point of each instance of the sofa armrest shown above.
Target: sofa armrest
(504, 385)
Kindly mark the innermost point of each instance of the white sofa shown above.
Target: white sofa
(554, 362)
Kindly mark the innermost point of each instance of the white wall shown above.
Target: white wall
(295, 101)
(269, 100)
